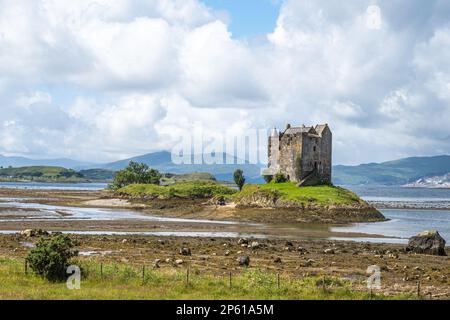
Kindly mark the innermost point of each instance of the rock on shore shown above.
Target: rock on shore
(427, 242)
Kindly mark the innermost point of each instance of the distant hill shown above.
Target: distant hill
(97, 174)
(416, 171)
(162, 161)
(398, 172)
(6, 162)
(41, 174)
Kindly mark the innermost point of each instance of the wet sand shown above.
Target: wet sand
(187, 216)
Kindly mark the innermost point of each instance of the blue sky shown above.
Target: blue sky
(249, 18)
(101, 80)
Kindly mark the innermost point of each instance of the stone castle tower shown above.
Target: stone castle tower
(303, 154)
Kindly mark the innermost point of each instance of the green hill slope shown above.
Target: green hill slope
(398, 172)
(162, 161)
(41, 174)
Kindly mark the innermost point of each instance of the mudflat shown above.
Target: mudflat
(292, 250)
(292, 259)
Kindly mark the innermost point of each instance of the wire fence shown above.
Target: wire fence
(146, 274)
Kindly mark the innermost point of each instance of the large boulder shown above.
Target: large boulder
(427, 242)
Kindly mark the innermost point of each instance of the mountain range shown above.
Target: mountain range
(15, 162)
(399, 172)
(415, 171)
(162, 161)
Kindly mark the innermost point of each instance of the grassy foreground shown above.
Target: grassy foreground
(121, 281)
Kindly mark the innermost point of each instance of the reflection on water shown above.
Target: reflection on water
(45, 212)
(53, 186)
(194, 234)
(382, 193)
(404, 223)
(372, 240)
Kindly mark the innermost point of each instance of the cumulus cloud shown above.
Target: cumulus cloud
(100, 80)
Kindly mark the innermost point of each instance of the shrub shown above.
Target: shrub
(51, 257)
(135, 173)
(280, 178)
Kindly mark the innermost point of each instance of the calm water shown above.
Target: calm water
(44, 212)
(54, 186)
(404, 223)
(380, 193)
(193, 234)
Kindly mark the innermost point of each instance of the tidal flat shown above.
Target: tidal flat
(126, 233)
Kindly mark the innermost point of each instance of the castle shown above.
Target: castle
(301, 154)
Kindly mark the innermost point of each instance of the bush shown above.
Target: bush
(51, 257)
(268, 179)
(280, 178)
(135, 173)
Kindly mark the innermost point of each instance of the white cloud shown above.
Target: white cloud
(99, 79)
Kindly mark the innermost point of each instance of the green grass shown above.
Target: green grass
(98, 174)
(289, 192)
(169, 179)
(121, 281)
(284, 192)
(191, 189)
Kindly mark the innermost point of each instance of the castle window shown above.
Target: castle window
(315, 148)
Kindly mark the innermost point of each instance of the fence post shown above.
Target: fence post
(418, 289)
(101, 270)
(278, 281)
(187, 276)
(143, 274)
(230, 279)
(26, 266)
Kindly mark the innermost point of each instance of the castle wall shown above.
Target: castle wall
(326, 156)
(274, 153)
(311, 157)
(291, 147)
(298, 154)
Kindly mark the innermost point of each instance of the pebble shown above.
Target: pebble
(255, 245)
